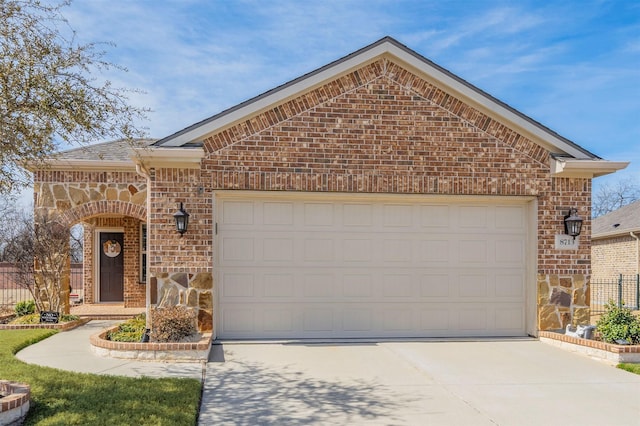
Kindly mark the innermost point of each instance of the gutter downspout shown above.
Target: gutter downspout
(637, 251)
(144, 172)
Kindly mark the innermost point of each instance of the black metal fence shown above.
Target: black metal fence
(623, 290)
(11, 292)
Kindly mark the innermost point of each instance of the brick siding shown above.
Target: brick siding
(614, 256)
(378, 129)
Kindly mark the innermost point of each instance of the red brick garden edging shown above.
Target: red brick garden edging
(62, 326)
(602, 351)
(14, 405)
(152, 351)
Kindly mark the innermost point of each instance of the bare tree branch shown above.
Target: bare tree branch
(48, 90)
(610, 197)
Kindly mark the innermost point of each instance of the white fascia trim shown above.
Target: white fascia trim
(168, 157)
(576, 168)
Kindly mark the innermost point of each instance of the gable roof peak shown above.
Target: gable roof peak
(392, 49)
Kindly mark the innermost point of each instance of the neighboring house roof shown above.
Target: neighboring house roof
(622, 221)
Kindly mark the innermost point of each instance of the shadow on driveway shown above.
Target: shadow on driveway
(244, 392)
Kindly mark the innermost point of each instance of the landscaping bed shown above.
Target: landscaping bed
(193, 351)
(61, 326)
(596, 349)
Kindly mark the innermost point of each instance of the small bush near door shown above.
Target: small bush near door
(619, 324)
(172, 324)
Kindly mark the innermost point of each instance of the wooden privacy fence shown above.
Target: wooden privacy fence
(11, 292)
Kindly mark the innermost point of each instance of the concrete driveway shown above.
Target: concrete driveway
(487, 382)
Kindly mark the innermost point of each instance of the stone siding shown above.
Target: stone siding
(98, 200)
(192, 290)
(562, 300)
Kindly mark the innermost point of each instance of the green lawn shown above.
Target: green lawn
(65, 398)
(634, 368)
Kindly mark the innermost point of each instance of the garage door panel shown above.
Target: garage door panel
(318, 214)
(238, 320)
(277, 249)
(357, 215)
(434, 217)
(236, 285)
(509, 218)
(277, 321)
(435, 285)
(318, 250)
(238, 213)
(278, 286)
(237, 249)
(473, 217)
(317, 319)
(473, 285)
(397, 250)
(318, 286)
(397, 215)
(277, 213)
(398, 286)
(509, 284)
(472, 251)
(510, 251)
(357, 250)
(296, 269)
(435, 251)
(359, 286)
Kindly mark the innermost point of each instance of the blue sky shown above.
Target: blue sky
(572, 65)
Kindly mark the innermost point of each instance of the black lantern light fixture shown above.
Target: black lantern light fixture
(572, 223)
(182, 220)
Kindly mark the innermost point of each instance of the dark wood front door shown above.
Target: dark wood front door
(111, 266)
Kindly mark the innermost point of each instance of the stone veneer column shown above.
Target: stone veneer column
(562, 300)
(192, 290)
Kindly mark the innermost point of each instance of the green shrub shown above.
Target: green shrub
(172, 324)
(129, 331)
(68, 318)
(27, 319)
(25, 307)
(618, 323)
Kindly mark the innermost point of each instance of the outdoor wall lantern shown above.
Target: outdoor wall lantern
(573, 223)
(182, 220)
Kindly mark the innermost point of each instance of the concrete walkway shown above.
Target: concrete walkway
(492, 382)
(483, 382)
(70, 350)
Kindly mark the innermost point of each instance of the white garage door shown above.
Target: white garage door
(358, 267)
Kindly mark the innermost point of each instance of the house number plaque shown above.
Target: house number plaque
(567, 242)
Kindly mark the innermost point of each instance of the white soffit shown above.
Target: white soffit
(579, 168)
(396, 52)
